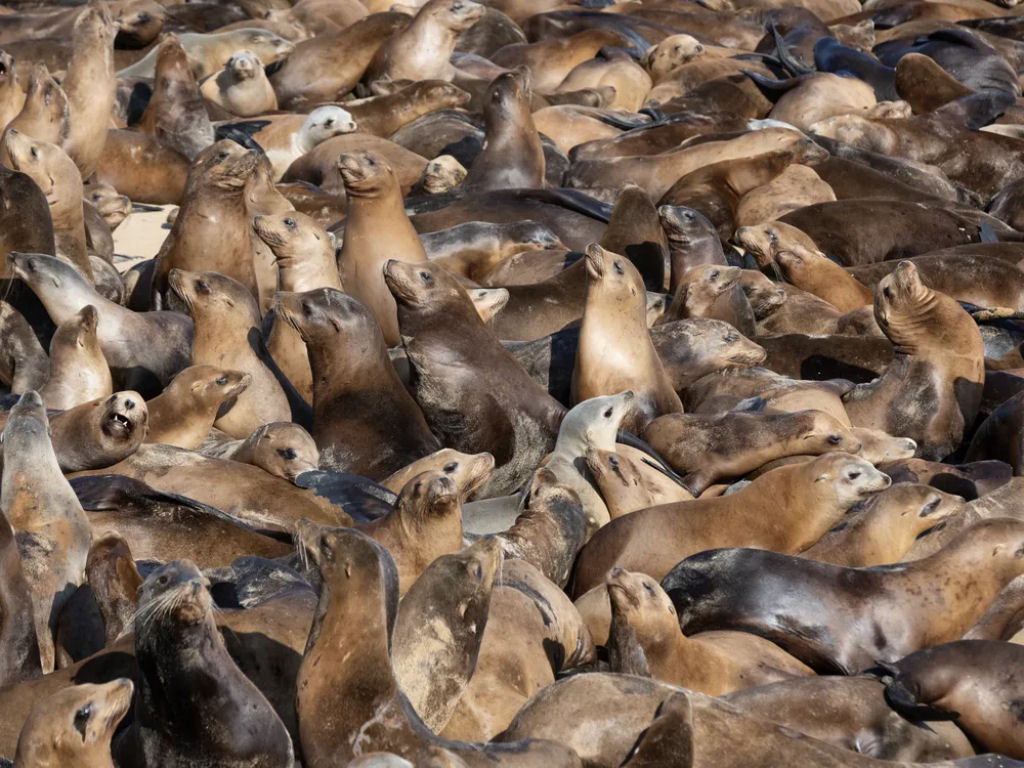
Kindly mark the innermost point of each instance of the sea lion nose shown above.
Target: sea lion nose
(129, 404)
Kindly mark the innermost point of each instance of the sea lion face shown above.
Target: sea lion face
(922, 501)
(765, 297)
(857, 132)
(442, 174)
(672, 52)
(508, 93)
(244, 65)
(825, 433)
(284, 449)
(611, 467)
(211, 293)
(125, 417)
(683, 225)
(74, 725)
(177, 592)
(113, 207)
(725, 346)
(442, 93)
(326, 316)
(138, 23)
(345, 556)
(325, 122)
(761, 241)
(288, 234)
(214, 385)
(27, 417)
(459, 15)
(41, 271)
(85, 327)
(364, 172)
(613, 275)
(596, 421)
(172, 62)
(421, 283)
(225, 164)
(641, 601)
(849, 477)
(878, 446)
(31, 157)
(901, 295)
(430, 494)
(712, 279)
(264, 44)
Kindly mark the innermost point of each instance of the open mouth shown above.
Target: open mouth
(120, 423)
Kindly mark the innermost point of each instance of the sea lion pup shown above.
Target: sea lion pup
(505, 412)
(627, 486)
(157, 342)
(653, 540)
(227, 335)
(615, 316)
(895, 609)
(364, 420)
(705, 448)
(421, 51)
(358, 605)
(883, 528)
(241, 87)
(814, 272)
(439, 629)
(212, 227)
(59, 179)
(52, 531)
(78, 369)
(376, 230)
(282, 448)
(512, 156)
(590, 425)
(644, 620)
(45, 114)
(176, 114)
(99, 433)
(193, 703)
(289, 137)
(427, 519)
(74, 726)
(304, 256)
(973, 682)
(183, 414)
(938, 358)
(90, 85)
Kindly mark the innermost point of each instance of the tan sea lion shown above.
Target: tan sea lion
(78, 369)
(100, 432)
(630, 80)
(550, 61)
(282, 449)
(90, 86)
(627, 486)
(183, 414)
(815, 273)
(262, 197)
(421, 50)
(653, 540)
(798, 185)
(241, 87)
(714, 292)
(45, 114)
(208, 52)
(614, 315)
(142, 168)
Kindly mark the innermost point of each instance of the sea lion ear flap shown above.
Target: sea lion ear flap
(668, 740)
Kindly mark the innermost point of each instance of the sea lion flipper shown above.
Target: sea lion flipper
(903, 701)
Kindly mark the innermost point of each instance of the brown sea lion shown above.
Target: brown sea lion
(90, 86)
(282, 449)
(999, 436)
(51, 530)
(364, 420)
(938, 350)
(226, 316)
(653, 540)
(78, 369)
(45, 114)
(241, 87)
(715, 292)
(208, 52)
(627, 486)
(614, 312)
(99, 433)
(19, 653)
(421, 50)
(386, 114)
(183, 414)
(815, 273)
(550, 61)
(377, 230)
(142, 168)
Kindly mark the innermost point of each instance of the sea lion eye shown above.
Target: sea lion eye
(202, 286)
(449, 468)
(290, 223)
(221, 380)
(834, 439)
(608, 413)
(162, 580)
(34, 152)
(732, 338)
(478, 572)
(715, 274)
(287, 454)
(648, 588)
(887, 293)
(853, 475)
(426, 277)
(618, 268)
(82, 719)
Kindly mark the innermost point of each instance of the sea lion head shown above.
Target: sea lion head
(611, 468)
(684, 226)
(225, 165)
(595, 422)
(641, 601)
(212, 294)
(172, 63)
(845, 478)
(796, 259)
(327, 317)
(74, 726)
(32, 157)
(765, 297)
(112, 206)
(489, 301)
(138, 23)
(43, 272)
(244, 65)
(27, 417)
(365, 173)
(348, 559)
(325, 122)
(441, 94)
(423, 284)
(82, 327)
(283, 449)
(434, 493)
(267, 46)
(210, 386)
(825, 433)
(672, 52)
(44, 96)
(124, 417)
(441, 175)
(878, 446)
(721, 345)
(614, 276)
(903, 302)
(176, 593)
(457, 15)
(857, 131)
(290, 235)
(711, 280)
(508, 94)
(96, 25)
(917, 500)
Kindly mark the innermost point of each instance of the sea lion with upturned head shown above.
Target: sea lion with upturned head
(938, 360)
(879, 613)
(364, 420)
(377, 230)
(183, 414)
(504, 413)
(90, 86)
(78, 369)
(653, 540)
(45, 114)
(241, 87)
(226, 335)
(51, 530)
(100, 432)
(421, 50)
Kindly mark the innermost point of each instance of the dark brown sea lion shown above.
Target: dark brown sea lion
(183, 414)
(511, 417)
(364, 420)
(51, 530)
(78, 369)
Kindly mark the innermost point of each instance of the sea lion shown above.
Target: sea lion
(938, 350)
(288, 138)
(716, 663)
(441, 175)
(372, 435)
(377, 230)
(241, 87)
(59, 179)
(176, 114)
(715, 292)
(627, 486)
(815, 273)
(211, 231)
(881, 598)
(45, 114)
(226, 335)
(550, 61)
(12, 89)
(19, 653)
(100, 432)
(90, 86)
(78, 369)
(208, 52)
(882, 529)
(74, 726)
(191, 706)
(282, 449)
(262, 197)
(999, 436)
(51, 530)
(510, 416)
(980, 695)
(615, 310)
(439, 628)
(653, 540)
(183, 414)
(23, 361)
(421, 50)
(512, 156)
(704, 449)
(388, 113)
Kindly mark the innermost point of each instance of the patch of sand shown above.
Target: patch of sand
(140, 236)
